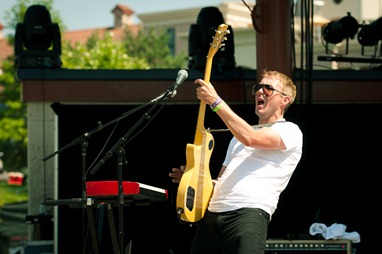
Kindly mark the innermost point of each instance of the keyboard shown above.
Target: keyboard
(136, 190)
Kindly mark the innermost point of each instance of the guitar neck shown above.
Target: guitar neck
(200, 129)
(215, 45)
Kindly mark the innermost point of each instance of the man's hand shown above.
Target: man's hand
(177, 173)
(206, 92)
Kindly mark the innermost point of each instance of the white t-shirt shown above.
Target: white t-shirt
(255, 178)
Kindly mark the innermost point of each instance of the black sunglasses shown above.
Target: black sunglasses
(267, 89)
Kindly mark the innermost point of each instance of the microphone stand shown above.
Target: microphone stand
(123, 139)
(120, 152)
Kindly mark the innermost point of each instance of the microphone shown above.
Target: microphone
(182, 76)
(171, 91)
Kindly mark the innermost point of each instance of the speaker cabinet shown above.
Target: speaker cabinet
(308, 246)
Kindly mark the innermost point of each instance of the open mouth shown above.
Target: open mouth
(260, 101)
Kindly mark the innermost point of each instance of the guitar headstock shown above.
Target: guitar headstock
(219, 38)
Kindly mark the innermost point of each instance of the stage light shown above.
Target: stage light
(347, 27)
(200, 37)
(370, 35)
(336, 31)
(37, 40)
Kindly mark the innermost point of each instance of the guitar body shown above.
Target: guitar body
(195, 186)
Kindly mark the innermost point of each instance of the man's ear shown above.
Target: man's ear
(286, 100)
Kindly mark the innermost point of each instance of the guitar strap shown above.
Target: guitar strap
(254, 126)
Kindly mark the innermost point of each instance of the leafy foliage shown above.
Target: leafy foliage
(13, 134)
(100, 54)
(153, 45)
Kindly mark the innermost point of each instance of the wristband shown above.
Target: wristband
(216, 109)
(215, 103)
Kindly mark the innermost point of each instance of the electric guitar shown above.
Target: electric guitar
(195, 187)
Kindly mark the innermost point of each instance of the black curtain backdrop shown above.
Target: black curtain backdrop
(335, 181)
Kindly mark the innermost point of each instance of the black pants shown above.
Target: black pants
(242, 231)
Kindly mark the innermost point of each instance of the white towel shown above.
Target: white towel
(335, 231)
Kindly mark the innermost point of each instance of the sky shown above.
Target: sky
(84, 14)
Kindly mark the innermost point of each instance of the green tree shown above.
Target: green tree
(13, 127)
(145, 50)
(100, 53)
(153, 45)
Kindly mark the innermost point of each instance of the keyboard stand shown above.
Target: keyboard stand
(101, 194)
(107, 193)
(87, 203)
(96, 240)
(89, 211)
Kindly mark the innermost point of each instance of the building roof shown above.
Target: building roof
(81, 36)
(124, 9)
